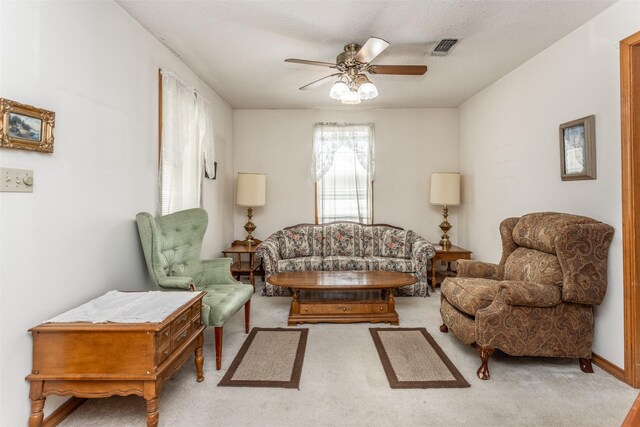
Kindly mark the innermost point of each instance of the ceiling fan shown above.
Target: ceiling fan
(353, 85)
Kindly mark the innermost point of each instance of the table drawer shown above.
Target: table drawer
(164, 336)
(344, 308)
(183, 319)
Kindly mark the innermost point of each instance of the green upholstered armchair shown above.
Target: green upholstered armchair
(172, 245)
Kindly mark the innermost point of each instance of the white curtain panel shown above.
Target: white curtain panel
(180, 153)
(205, 133)
(329, 138)
(343, 168)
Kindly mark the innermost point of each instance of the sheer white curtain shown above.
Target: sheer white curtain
(187, 129)
(205, 133)
(343, 169)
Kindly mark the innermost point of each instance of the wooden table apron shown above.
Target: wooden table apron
(342, 297)
(100, 360)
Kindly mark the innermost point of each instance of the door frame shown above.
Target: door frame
(630, 139)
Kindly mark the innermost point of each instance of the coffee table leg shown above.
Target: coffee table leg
(392, 305)
(295, 307)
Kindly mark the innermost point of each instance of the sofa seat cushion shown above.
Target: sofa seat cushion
(343, 263)
(469, 294)
(310, 263)
(402, 265)
(223, 301)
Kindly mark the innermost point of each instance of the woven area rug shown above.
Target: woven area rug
(268, 358)
(412, 359)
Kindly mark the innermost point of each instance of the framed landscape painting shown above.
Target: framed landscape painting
(26, 127)
(578, 149)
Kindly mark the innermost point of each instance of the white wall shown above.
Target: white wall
(409, 145)
(509, 149)
(75, 237)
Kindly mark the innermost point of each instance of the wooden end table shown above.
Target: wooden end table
(250, 267)
(454, 253)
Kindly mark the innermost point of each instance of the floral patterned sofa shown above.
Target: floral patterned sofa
(342, 246)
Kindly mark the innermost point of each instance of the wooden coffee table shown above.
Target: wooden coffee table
(342, 296)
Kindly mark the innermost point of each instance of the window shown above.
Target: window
(186, 138)
(343, 166)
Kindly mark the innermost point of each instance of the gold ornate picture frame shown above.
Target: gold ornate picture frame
(578, 149)
(25, 127)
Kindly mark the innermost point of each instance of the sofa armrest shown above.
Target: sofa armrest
(421, 252)
(176, 282)
(529, 294)
(479, 269)
(269, 251)
(217, 271)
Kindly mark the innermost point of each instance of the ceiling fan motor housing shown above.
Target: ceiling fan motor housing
(349, 53)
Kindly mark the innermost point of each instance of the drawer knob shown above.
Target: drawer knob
(381, 308)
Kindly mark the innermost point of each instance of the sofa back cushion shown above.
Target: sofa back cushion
(294, 242)
(539, 230)
(395, 243)
(342, 239)
(529, 265)
(371, 241)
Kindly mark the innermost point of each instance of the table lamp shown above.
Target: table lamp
(250, 192)
(445, 191)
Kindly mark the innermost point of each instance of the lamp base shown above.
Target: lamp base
(249, 228)
(445, 227)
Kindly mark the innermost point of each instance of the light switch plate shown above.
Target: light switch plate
(16, 180)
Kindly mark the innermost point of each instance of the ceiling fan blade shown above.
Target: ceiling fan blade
(406, 70)
(372, 48)
(307, 62)
(319, 82)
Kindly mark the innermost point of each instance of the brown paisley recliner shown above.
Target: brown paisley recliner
(538, 301)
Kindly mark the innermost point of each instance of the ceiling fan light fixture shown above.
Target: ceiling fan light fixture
(338, 90)
(351, 98)
(367, 90)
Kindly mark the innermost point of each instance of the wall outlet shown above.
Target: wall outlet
(16, 180)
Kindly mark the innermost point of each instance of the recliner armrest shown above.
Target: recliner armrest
(529, 294)
(176, 282)
(217, 271)
(479, 269)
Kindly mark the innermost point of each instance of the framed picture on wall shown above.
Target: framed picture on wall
(26, 127)
(578, 149)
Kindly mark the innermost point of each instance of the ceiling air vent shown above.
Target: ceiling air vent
(444, 46)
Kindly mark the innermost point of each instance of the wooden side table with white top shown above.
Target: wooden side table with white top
(96, 350)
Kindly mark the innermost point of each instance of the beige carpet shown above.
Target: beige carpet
(342, 384)
(412, 359)
(268, 358)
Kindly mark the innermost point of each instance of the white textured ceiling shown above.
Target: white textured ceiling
(238, 46)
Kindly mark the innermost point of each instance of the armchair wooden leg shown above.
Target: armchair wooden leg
(585, 366)
(218, 342)
(444, 328)
(247, 316)
(485, 353)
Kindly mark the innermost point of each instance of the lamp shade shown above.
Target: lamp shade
(445, 188)
(251, 189)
